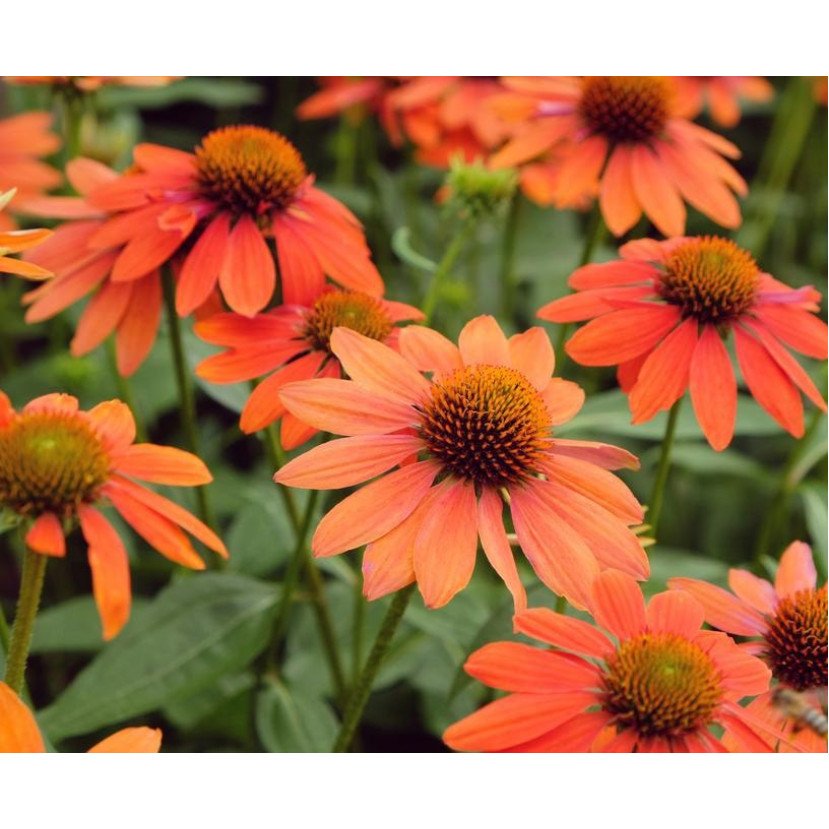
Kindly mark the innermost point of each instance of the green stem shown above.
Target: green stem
(443, 267)
(357, 626)
(362, 688)
(185, 388)
(31, 586)
(124, 389)
(658, 493)
(508, 246)
(786, 483)
(72, 106)
(595, 233)
(276, 458)
(346, 141)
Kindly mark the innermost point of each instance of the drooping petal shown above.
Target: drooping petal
(559, 556)
(445, 547)
(45, 536)
(663, 377)
(620, 207)
(110, 570)
(768, 383)
(201, 268)
(374, 510)
(496, 546)
(800, 330)
(713, 388)
(248, 275)
(139, 326)
(656, 192)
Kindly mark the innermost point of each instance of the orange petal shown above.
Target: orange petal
(18, 730)
(45, 536)
(110, 570)
(345, 408)
(445, 547)
(482, 341)
(248, 275)
(620, 208)
(377, 367)
(675, 612)
(140, 740)
(374, 510)
(604, 455)
(656, 193)
(753, 590)
(663, 377)
(563, 399)
(496, 545)
(163, 465)
(348, 461)
(713, 388)
(201, 267)
(114, 423)
(796, 570)
(563, 632)
(618, 605)
(531, 353)
(722, 610)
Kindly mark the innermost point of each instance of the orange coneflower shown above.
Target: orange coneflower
(19, 733)
(645, 680)
(474, 437)
(58, 463)
(212, 213)
(623, 138)
(24, 139)
(447, 117)
(14, 241)
(661, 314)
(722, 96)
(786, 623)
(293, 342)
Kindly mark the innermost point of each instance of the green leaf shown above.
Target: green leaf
(260, 538)
(703, 460)
(196, 631)
(607, 413)
(187, 712)
(74, 626)
(813, 498)
(289, 721)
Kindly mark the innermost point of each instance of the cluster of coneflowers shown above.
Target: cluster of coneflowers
(450, 446)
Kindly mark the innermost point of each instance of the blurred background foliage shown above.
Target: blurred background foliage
(193, 657)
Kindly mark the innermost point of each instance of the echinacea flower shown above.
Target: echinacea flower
(662, 315)
(786, 624)
(474, 437)
(14, 241)
(448, 117)
(211, 214)
(59, 464)
(644, 679)
(721, 95)
(292, 343)
(24, 140)
(623, 138)
(19, 733)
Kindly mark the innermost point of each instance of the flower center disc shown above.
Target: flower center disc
(249, 169)
(50, 463)
(710, 278)
(796, 640)
(661, 685)
(487, 424)
(626, 110)
(360, 312)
